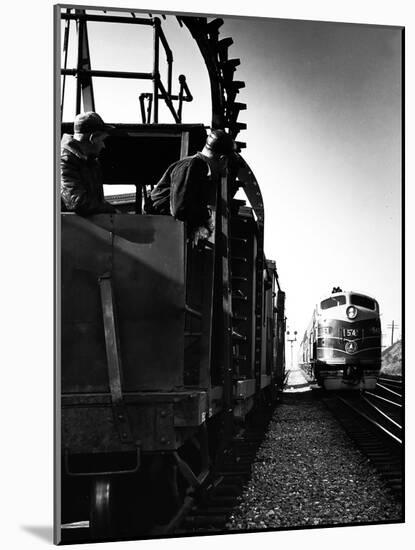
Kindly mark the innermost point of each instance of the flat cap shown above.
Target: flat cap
(220, 142)
(86, 123)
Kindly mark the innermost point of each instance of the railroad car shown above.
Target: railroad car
(341, 348)
(165, 347)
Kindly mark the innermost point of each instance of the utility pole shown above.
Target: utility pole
(292, 340)
(393, 326)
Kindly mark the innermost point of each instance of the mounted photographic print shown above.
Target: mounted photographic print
(228, 274)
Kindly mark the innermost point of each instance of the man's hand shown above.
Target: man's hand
(200, 234)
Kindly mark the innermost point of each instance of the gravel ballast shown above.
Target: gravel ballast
(308, 473)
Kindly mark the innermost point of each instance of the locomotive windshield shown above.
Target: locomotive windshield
(333, 301)
(363, 301)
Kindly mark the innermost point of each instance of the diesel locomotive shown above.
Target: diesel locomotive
(166, 348)
(341, 348)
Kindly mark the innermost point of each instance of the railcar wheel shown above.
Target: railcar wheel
(101, 520)
(131, 506)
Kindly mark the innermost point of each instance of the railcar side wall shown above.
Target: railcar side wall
(143, 256)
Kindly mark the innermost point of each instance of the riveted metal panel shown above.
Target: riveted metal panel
(85, 255)
(91, 429)
(144, 257)
(244, 388)
(156, 420)
(148, 278)
(190, 410)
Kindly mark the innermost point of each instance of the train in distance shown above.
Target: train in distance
(341, 348)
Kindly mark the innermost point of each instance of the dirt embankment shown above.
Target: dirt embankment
(392, 359)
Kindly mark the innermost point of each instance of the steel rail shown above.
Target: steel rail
(389, 390)
(382, 413)
(397, 381)
(383, 399)
(371, 421)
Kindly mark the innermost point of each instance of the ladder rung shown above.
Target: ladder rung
(192, 334)
(239, 278)
(239, 318)
(239, 292)
(193, 312)
(237, 336)
(239, 259)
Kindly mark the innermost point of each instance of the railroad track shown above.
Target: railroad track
(376, 430)
(387, 400)
(391, 384)
(210, 506)
(216, 502)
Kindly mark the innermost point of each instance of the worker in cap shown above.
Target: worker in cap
(81, 177)
(185, 189)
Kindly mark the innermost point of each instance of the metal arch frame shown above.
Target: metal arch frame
(223, 88)
(197, 27)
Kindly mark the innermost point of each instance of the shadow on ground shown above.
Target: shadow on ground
(40, 531)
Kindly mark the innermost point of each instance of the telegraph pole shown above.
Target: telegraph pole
(292, 340)
(393, 326)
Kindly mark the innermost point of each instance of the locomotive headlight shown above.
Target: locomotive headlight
(351, 312)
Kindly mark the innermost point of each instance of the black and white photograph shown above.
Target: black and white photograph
(214, 342)
(229, 278)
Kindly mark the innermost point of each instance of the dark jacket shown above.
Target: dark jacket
(81, 181)
(183, 192)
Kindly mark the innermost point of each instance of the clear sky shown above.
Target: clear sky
(323, 139)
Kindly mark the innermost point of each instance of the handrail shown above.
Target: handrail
(107, 18)
(84, 72)
(107, 74)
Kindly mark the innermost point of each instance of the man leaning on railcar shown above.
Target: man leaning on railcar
(185, 189)
(81, 178)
